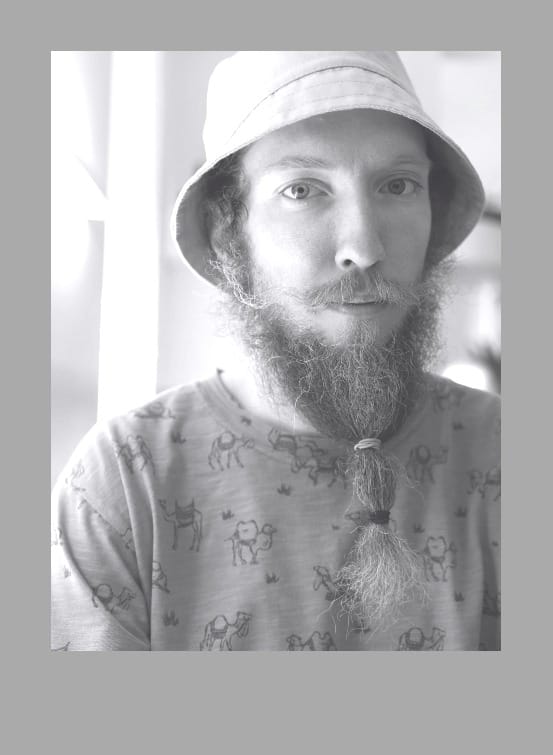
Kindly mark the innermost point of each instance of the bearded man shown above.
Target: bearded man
(317, 497)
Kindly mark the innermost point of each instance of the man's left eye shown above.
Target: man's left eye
(401, 186)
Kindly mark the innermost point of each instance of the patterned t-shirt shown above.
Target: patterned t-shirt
(190, 524)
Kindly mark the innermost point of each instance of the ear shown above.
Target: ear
(214, 230)
(210, 232)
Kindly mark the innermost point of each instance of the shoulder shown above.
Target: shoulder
(447, 397)
(467, 420)
(126, 440)
(179, 402)
(116, 462)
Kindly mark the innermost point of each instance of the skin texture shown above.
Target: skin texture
(343, 193)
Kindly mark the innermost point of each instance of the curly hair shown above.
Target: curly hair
(224, 211)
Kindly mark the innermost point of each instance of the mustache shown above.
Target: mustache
(356, 286)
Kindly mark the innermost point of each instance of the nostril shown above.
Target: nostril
(346, 263)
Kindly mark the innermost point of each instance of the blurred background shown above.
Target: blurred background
(128, 319)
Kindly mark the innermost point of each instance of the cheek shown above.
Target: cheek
(406, 243)
(293, 252)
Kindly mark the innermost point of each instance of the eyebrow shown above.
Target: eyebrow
(296, 161)
(301, 161)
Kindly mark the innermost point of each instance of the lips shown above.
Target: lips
(361, 301)
(355, 302)
(360, 308)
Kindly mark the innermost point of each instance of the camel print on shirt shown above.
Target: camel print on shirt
(104, 595)
(135, 453)
(307, 455)
(225, 450)
(316, 641)
(248, 539)
(220, 630)
(414, 639)
(181, 517)
(439, 558)
(480, 481)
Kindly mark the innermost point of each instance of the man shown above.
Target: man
(331, 493)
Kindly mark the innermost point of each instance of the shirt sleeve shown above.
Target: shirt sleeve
(98, 600)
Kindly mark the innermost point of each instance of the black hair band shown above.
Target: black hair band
(379, 517)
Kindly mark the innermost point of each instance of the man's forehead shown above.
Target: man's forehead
(320, 141)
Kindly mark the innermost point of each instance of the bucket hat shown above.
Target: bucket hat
(254, 93)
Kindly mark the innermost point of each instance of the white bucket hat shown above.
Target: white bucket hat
(253, 93)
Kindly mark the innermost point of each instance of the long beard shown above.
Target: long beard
(356, 390)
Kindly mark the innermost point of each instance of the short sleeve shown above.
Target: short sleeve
(98, 601)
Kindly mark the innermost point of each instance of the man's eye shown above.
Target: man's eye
(401, 186)
(298, 190)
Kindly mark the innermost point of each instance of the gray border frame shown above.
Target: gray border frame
(90, 702)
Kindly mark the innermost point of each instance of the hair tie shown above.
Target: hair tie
(365, 517)
(379, 517)
(367, 443)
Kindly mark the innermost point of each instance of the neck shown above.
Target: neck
(240, 380)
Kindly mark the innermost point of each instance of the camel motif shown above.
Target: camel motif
(323, 463)
(414, 639)
(480, 481)
(156, 410)
(248, 535)
(227, 446)
(104, 595)
(307, 455)
(184, 516)
(222, 631)
(315, 642)
(422, 460)
(322, 577)
(439, 558)
(159, 578)
(447, 396)
(135, 449)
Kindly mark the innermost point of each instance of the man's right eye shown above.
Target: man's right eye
(298, 190)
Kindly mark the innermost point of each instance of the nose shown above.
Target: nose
(359, 239)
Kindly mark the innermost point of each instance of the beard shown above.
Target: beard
(358, 388)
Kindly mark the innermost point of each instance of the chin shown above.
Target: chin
(348, 330)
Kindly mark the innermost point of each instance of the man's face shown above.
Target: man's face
(335, 201)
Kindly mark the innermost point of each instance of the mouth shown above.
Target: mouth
(359, 307)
